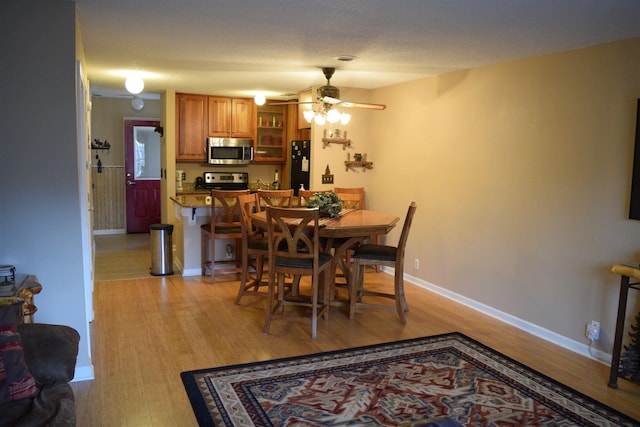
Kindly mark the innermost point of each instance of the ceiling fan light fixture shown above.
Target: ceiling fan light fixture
(320, 120)
(333, 116)
(308, 115)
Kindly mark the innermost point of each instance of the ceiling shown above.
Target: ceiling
(276, 47)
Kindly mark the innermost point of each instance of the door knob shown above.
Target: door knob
(130, 182)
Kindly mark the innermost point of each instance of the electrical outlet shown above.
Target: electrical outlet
(417, 264)
(593, 330)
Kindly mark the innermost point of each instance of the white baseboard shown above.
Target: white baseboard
(509, 319)
(109, 232)
(192, 272)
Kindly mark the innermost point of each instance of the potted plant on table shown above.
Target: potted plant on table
(329, 204)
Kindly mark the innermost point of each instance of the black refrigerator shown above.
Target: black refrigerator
(300, 164)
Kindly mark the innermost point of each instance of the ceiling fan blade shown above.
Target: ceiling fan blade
(292, 102)
(362, 105)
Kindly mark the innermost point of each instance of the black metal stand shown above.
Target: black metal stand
(626, 271)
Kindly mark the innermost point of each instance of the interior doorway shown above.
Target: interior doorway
(142, 170)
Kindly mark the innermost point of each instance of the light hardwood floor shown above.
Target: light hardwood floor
(148, 330)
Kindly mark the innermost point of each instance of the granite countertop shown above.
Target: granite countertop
(193, 201)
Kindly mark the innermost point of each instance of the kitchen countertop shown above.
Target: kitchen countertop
(192, 201)
(190, 191)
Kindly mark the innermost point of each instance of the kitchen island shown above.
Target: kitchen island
(190, 211)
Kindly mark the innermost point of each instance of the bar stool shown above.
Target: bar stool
(294, 249)
(224, 224)
(626, 272)
(255, 248)
(393, 256)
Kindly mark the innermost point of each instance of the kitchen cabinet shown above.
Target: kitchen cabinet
(271, 134)
(231, 117)
(191, 127)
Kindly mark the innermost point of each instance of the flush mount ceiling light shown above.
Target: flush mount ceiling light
(134, 84)
(259, 99)
(137, 103)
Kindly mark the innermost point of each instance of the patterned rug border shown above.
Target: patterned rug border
(204, 418)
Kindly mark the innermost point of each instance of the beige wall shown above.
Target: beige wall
(107, 123)
(521, 172)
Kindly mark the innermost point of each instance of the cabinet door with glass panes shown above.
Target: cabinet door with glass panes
(271, 135)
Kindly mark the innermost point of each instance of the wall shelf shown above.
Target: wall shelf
(96, 144)
(335, 140)
(364, 164)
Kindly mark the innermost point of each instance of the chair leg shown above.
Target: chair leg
(354, 286)
(212, 251)
(244, 276)
(327, 294)
(259, 270)
(314, 305)
(270, 298)
(280, 301)
(401, 303)
(204, 241)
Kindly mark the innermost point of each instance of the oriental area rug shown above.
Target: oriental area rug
(392, 384)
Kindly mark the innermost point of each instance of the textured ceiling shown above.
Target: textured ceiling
(242, 47)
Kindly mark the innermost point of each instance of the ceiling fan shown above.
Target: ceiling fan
(328, 96)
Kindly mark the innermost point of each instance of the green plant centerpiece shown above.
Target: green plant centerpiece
(329, 204)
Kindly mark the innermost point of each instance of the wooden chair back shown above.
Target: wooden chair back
(248, 204)
(402, 242)
(352, 190)
(349, 195)
(225, 212)
(293, 233)
(351, 200)
(278, 198)
(305, 195)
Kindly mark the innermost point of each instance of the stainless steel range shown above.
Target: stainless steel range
(223, 181)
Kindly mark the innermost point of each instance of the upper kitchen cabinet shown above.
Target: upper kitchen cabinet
(191, 127)
(271, 138)
(231, 117)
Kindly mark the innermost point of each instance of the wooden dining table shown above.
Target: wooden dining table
(351, 227)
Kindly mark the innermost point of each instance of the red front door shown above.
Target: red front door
(142, 169)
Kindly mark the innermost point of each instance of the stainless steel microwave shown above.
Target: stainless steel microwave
(229, 151)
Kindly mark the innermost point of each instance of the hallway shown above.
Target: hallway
(122, 256)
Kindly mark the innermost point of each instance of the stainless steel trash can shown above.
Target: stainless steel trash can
(161, 249)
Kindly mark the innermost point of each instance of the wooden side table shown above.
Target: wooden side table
(627, 272)
(27, 286)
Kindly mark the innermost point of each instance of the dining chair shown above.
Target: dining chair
(305, 195)
(294, 249)
(224, 224)
(255, 248)
(348, 192)
(374, 254)
(352, 198)
(278, 198)
(349, 197)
